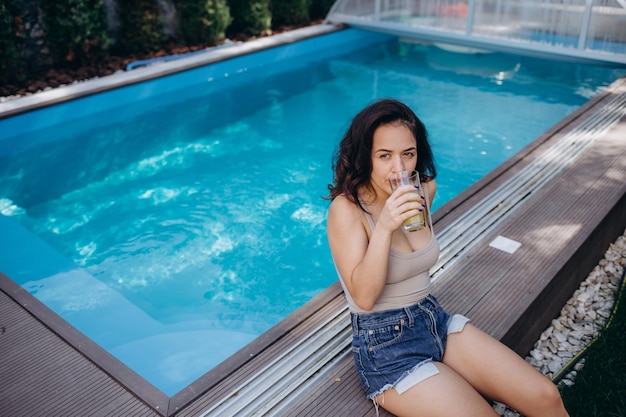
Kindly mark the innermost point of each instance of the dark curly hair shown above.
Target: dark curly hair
(352, 164)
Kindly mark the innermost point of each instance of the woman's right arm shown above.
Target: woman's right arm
(361, 262)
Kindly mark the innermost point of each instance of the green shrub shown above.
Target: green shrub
(203, 21)
(9, 55)
(140, 26)
(320, 8)
(76, 31)
(250, 17)
(290, 12)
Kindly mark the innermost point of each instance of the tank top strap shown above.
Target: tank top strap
(370, 221)
(368, 216)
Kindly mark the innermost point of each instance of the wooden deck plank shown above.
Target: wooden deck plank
(76, 395)
(46, 376)
(345, 395)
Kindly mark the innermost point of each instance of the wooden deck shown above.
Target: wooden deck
(47, 368)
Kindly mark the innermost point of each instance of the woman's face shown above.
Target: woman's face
(394, 149)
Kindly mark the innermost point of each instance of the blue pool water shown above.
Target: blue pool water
(176, 220)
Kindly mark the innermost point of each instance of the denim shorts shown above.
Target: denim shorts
(397, 348)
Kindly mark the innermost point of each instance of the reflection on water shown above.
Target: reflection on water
(473, 62)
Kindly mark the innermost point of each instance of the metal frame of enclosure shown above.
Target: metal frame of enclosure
(581, 30)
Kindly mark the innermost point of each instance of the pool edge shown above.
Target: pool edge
(124, 78)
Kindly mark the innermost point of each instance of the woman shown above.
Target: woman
(412, 358)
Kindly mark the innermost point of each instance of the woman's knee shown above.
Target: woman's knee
(548, 395)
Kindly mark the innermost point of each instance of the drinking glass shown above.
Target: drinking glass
(418, 221)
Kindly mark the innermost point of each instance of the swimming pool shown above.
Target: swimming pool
(173, 215)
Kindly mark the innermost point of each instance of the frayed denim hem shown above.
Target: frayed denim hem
(382, 393)
(417, 374)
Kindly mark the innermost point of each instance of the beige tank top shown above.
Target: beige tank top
(408, 277)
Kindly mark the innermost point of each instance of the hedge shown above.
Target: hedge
(9, 56)
(76, 31)
(140, 26)
(290, 12)
(250, 17)
(203, 21)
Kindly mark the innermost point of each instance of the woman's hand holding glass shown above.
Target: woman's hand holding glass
(405, 206)
(408, 202)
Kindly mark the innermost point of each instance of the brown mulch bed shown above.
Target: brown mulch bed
(57, 77)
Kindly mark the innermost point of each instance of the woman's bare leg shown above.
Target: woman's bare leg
(499, 373)
(443, 395)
